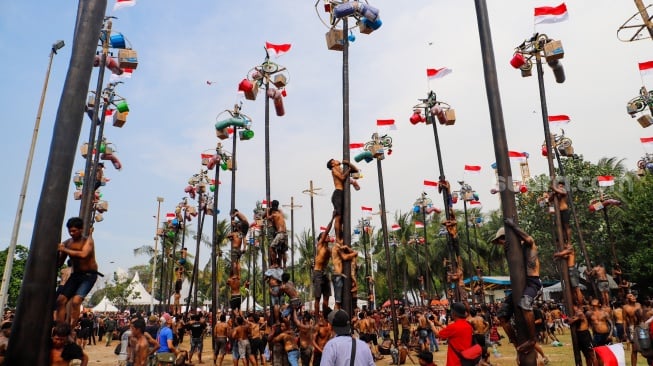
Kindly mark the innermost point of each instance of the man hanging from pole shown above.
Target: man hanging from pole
(81, 250)
(532, 290)
(340, 177)
(278, 251)
(320, 279)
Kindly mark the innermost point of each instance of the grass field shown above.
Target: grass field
(563, 356)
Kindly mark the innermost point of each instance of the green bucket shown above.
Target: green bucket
(122, 106)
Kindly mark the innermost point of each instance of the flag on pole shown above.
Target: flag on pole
(551, 14)
(395, 227)
(385, 125)
(170, 216)
(430, 183)
(472, 169)
(356, 147)
(123, 4)
(367, 209)
(264, 204)
(646, 141)
(646, 68)
(517, 156)
(278, 49)
(559, 120)
(322, 229)
(438, 73)
(126, 74)
(605, 180)
(419, 225)
(475, 204)
(108, 114)
(611, 355)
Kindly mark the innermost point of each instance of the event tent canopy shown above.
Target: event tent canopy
(104, 306)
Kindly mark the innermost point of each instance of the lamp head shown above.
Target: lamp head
(57, 46)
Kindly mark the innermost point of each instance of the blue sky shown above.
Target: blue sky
(181, 45)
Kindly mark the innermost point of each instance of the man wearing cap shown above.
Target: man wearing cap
(458, 334)
(338, 350)
(167, 350)
(532, 289)
(425, 358)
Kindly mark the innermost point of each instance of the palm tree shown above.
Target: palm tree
(304, 262)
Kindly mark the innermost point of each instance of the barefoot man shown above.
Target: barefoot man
(319, 278)
(81, 250)
(340, 254)
(279, 245)
(340, 177)
(569, 253)
(532, 289)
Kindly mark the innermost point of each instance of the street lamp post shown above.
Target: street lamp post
(156, 247)
(375, 149)
(6, 277)
(292, 206)
(312, 191)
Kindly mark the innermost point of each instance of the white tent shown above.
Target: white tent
(139, 295)
(105, 306)
(252, 304)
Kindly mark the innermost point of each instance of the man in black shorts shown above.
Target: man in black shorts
(319, 278)
(340, 177)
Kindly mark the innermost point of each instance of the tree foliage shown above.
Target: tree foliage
(17, 272)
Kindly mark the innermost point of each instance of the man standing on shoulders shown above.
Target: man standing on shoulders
(319, 278)
(339, 350)
(81, 250)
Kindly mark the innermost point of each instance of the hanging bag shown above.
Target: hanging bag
(470, 356)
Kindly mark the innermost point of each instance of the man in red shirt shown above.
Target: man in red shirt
(458, 334)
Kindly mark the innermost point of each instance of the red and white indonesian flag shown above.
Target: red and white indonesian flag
(108, 114)
(475, 204)
(126, 74)
(395, 227)
(559, 120)
(277, 49)
(438, 73)
(605, 180)
(356, 146)
(472, 169)
(430, 184)
(517, 156)
(646, 68)
(385, 125)
(322, 229)
(646, 141)
(419, 225)
(612, 355)
(264, 204)
(367, 210)
(123, 4)
(551, 14)
(170, 216)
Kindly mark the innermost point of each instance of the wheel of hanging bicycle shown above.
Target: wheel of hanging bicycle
(331, 21)
(564, 142)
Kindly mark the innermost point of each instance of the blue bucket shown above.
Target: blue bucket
(117, 41)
